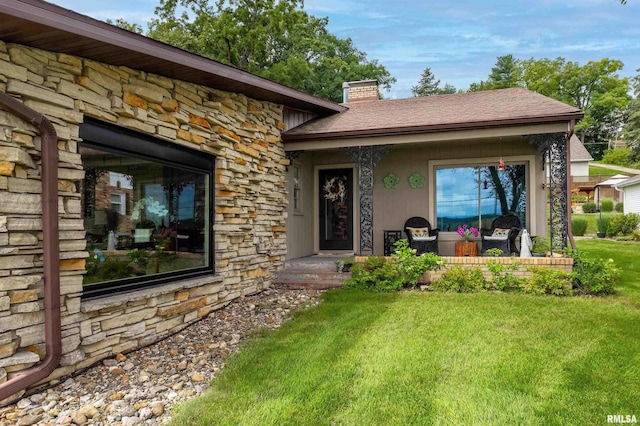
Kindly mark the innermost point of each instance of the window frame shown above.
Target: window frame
(297, 207)
(527, 160)
(114, 139)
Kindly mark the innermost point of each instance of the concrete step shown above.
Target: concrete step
(306, 278)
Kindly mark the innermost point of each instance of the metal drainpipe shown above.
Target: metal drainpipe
(53, 339)
(572, 125)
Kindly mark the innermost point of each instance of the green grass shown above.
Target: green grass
(432, 358)
(601, 171)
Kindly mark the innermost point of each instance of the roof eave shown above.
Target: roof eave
(72, 23)
(362, 133)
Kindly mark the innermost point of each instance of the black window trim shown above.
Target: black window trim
(119, 140)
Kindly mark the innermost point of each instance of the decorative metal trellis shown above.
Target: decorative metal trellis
(366, 158)
(553, 148)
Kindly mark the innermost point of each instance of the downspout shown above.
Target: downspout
(51, 265)
(572, 241)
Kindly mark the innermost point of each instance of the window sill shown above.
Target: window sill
(120, 299)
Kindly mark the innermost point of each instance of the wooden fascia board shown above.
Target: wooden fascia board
(435, 137)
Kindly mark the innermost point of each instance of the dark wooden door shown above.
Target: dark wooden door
(336, 209)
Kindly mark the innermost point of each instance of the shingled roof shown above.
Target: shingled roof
(578, 150)
(461, 111)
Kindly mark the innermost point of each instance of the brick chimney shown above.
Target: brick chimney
(356, 91)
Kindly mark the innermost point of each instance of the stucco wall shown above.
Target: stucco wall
(250, 202)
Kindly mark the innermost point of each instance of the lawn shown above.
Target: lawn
(432, 358)
(601, 171)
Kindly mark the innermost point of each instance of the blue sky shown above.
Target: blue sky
(458, 40)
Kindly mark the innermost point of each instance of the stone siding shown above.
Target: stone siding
(250, 202)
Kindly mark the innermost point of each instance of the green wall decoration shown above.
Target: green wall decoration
(416, 181)
(391, 181)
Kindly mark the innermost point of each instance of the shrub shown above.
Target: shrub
(578, 226)
(546, 280)
(603, 223)
(501, 276)
(606, 206)
(379, 274)
(459, 279)
(593, 275)
(540, 245)
(410, 267)
(623, 224)
(376, 274)
(589, 207)
(617, 156)
(619, 207)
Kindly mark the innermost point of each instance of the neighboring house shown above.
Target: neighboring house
(109, 139)
(607, 188)
(580, 158)
(630, 194)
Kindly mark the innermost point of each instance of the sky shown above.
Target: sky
(459, 40)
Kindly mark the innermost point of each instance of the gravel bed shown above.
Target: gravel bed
(141, 387)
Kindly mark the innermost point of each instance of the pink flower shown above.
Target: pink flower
(466, 232)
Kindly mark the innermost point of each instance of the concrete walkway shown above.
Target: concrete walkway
(630, 171)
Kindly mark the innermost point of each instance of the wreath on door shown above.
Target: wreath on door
(335, 189)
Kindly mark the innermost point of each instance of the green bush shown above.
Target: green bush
(619, 207)
(459, 279)
(617, 156)
(593, 275)
(578, 226)
(540, 245)
(606, 206)
(623, 224)
(375, 274)
(411, 267)
(589, 207)
(546, 280)
(502, 277)
(380, 274)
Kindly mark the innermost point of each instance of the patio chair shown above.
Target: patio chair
(502, 235)
(421, 236)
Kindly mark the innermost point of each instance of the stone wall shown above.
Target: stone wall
(250, 202)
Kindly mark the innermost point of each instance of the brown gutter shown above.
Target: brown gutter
(572, 125)
(300, 135)
(53, 339)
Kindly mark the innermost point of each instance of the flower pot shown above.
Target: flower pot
(466, 249)
(600, 234)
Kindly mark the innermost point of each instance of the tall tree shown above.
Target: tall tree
(276, 39)
(631, 130)
(506, 73)
(595, 88)
(429, 86)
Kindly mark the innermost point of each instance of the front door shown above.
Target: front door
(336, 209)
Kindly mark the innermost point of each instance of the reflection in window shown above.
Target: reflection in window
(476, 195)
(297, 185)
(144, 218)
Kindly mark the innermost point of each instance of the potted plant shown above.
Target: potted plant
(603, 225)
(344, 265)
(540, 246)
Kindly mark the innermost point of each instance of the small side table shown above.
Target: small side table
(391, 237)
(466, 248)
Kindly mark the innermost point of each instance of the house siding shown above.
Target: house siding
(632, 199)
(250, 203)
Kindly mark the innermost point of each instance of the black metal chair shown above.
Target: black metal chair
(421, 236)
(502, 235)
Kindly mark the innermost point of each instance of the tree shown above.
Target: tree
(428, 85)
(506, 73)
(631, 130)
(595, 88)
(134, 28)
(276, 39)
